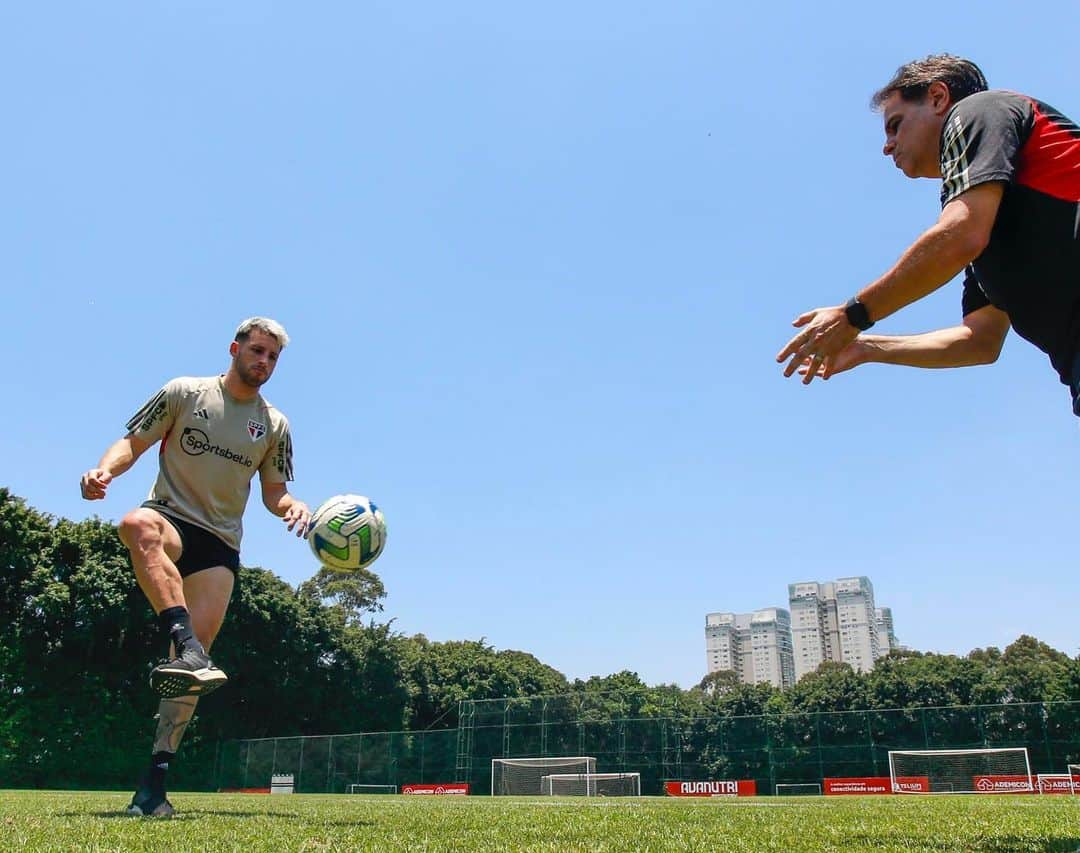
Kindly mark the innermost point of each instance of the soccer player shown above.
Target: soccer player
(215, 433)
(1010, 194)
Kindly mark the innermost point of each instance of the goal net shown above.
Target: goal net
(797, 789)
(357, 788)
(960, 771)
(591, 785)
(519, 777)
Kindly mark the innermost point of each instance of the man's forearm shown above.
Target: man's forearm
(119, 457)
(952, 347)
(933, 260)
(279, 504)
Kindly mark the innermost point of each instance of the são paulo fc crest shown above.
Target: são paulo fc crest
(256, 430)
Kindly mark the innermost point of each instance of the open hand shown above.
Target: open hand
(825, 333)
(298, 516)
(850, 356)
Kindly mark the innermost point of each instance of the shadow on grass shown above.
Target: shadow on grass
(194, 814)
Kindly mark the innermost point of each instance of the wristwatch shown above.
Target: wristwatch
(857, 314)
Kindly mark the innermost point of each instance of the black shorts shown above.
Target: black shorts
(199, 548)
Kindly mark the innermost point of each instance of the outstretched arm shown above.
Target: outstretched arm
(117, 459)
(957, 238)
(276, 498)
(977, 341)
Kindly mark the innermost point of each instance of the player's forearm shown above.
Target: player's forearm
(119, 457)
(952, 347)
(280, 503)
(934, 259)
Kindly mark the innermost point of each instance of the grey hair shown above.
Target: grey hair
(263, 324)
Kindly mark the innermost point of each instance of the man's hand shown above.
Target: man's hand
(94, 483)
(825, 333)
(852, 355)
(298, 516)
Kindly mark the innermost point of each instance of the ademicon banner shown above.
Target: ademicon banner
(447, 788)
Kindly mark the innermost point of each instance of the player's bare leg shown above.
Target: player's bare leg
(154, 544)
(207, 593)
(191, 672)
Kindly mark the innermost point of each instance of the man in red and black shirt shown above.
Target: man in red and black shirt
(1010, 196)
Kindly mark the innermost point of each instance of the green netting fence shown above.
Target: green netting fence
(331, 763)
(663, 745)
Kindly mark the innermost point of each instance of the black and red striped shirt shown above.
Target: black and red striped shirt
(1031, 267)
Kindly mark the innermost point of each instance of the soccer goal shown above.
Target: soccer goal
(960, 771)
(591, 785)
(357, 788)
(1059, 783)
(518, 777)
(797, 789)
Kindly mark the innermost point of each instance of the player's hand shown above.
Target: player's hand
(825, 333)
(850, 356)
(298, 517)
(94, 483)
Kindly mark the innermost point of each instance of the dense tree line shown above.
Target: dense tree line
(78, 640)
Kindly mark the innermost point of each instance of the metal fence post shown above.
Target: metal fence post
(817, 734)
(300, 769)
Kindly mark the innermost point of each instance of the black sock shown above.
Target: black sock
(176, 622)
(159, 766)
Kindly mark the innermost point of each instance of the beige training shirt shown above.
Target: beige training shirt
(211, 446)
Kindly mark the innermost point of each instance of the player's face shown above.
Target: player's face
(255, 359)
(913, 134)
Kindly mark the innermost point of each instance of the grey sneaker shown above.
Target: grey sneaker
(191, 673)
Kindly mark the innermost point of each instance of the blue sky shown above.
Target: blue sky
(536, 263)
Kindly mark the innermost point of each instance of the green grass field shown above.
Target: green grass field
(60, 820)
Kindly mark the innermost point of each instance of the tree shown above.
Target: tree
(352, 594)
(441, 675)
(831, 687)
(719, 683)
(915, 680)
(1031, 671)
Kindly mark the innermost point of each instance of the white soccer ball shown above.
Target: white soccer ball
(347, 532)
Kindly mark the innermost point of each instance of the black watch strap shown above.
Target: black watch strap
(857, 314)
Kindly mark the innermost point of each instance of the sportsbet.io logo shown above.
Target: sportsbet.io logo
(195, 442)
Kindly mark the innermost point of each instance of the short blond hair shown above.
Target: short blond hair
(263, 324)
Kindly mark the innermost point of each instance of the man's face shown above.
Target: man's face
(913, 131)
(254, 360)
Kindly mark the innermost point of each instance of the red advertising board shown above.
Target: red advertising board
(859, 785)
(876, 785)
(437, 789)
(912, 785)
(1003, 784)
(725, 788)
(1058, 784)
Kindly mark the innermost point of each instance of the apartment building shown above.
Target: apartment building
(756, 646)
(835, 621)
(886, 635)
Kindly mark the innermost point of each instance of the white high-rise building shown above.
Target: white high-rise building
(833, 621)
(886, 635)
(756, 646)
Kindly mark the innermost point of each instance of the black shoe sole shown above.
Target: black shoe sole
(174, 683)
